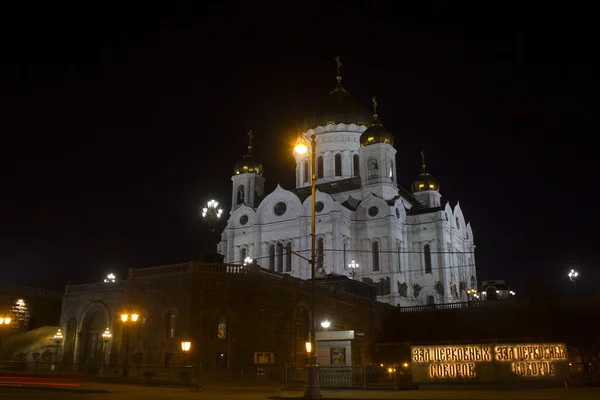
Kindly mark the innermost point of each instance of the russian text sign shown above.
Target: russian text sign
(489, 363)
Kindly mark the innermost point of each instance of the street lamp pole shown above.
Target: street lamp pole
(106, 336)
(58, 338)
(127, 319)
(353, 265)
(311, 389)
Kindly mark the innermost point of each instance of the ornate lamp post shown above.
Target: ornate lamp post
(106, 336)
(129, 321)
(471, 294)
(573, 276)
(58, 338)
(186, 345)
(353, 266)
(312, 366)
(211, 213)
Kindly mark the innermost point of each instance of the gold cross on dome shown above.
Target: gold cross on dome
(339, 64)
(250, 137)
(374, 105)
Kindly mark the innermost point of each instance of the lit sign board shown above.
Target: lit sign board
(489, 362)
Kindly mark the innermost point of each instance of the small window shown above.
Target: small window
(222, 327)
(375, 250)
(272, 257)
(279, 257)
(457, 223)
(170, 326)
(338, 165)
(427, 255)
(320, 167)
(356, 165)
(320, 256)
(288, 257)
(306, 171)
(242, 254)
(430, 300)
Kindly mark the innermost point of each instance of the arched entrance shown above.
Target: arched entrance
(91, 349)
(301, 328)
(490, 293)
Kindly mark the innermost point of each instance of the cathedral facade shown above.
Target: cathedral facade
(413, 247)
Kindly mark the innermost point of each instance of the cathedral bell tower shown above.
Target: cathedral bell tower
(248, 183)
(426, 188)
(378, 159)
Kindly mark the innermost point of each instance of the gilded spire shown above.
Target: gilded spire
(375, 115)
(339, 66)
(250, 137)
(423, 160)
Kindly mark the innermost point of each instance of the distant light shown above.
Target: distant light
(248, 261)
(573, 275)
(325, 324)
(110, 278)
(185, 345)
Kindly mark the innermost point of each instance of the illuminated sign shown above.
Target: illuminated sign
(489, 363)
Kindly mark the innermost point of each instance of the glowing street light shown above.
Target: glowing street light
(5, 320)
(128, 320)
(212, 213)
(325, 324)
(573, 276)
(110, 278)
(353, 266)
(248, 261)
(58, 338)
(106, 336)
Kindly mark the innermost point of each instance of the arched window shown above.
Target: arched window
(457, 223)
(338, 164)
(240, 194)
(306, 169)
(242, 254)
(279, 257)
(272, 257)
(356, 165)
(288, 257)
(222, 327)
(427, 254)
(320, 255)
(170, 325)
(375, 251)
(430, 300)
(320, 167)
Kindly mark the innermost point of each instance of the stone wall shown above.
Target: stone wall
(260, 309)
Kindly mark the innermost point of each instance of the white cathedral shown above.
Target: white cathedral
(414, 248)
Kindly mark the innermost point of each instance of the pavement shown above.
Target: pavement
(84, 390)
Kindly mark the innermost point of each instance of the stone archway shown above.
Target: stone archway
(91, 347)
(69, 341)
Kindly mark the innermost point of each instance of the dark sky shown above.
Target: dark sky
(118, 123)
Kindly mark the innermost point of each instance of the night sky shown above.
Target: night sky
(118, 124)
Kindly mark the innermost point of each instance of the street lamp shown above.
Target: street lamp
(248, 261)
(58, 338)
(4, 324)
(128, 321)
(353, 266)
(110, 278)
(573, 276)
(185, 347)
(325, 324)
(211, 213)
(312, 366)
(471, 293)
(106, 336)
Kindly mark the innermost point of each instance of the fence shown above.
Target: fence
(361, 377)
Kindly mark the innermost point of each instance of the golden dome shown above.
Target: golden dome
(425, 181)
(249, 163)
(376, 133)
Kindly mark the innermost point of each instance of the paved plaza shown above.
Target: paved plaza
(92, 391)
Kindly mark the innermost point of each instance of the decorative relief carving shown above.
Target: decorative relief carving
(416, 289)
(439, 287)
(402, 289)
